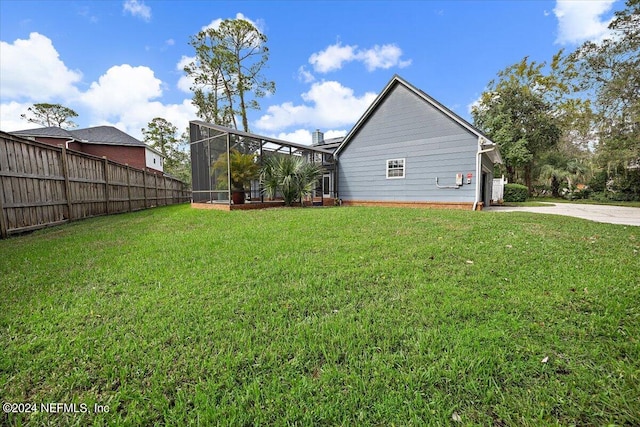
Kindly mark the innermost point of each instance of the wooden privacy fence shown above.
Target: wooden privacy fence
(42, 185)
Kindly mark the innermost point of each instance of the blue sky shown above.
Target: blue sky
(120, 62)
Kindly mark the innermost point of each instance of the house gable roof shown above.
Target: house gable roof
(397, 80)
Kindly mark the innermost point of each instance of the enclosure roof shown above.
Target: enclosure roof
(224, 129)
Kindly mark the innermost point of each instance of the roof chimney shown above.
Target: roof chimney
(317, 137)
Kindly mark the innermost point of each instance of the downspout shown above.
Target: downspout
(479, 169)
(69, 141)
(336, 198)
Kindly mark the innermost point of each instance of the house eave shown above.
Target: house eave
(490, 148)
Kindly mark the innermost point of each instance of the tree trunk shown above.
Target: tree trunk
(243, 106)
(511, 174)
(527, 178)
(555, 187)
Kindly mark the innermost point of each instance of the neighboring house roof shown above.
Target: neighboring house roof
(103, 135)
(52, 132)
(107, 135)
(397, 80)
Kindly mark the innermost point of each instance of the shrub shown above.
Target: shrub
(599, 182)
(515, 193)
(621, 185)
(599, 196)
(585, 193)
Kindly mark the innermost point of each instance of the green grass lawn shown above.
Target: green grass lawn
(327, 316)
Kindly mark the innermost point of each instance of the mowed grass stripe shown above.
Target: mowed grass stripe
(324, 316)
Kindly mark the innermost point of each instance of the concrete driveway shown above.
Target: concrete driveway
(598, 213)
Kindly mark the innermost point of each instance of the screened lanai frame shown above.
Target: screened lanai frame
(211, 145)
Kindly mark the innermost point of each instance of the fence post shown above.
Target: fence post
(155, 179)
(106, 183)
(129, 186)
(144, 188)
(3, 225)
(164, 182)
(67, 187)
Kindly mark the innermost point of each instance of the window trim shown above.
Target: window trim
(403, 168)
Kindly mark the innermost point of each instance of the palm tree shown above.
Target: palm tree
(573, 171)
(244, 169)
(579, 170)
(553, 175)
(292, 176)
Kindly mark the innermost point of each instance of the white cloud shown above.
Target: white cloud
(332, 57)
(385, 57)
(474, 104)
(120, 87)
(335, 105)
(328, 105)
(32, 70)
(185, 83)
(581, 20)
(335, 133)
(138, 116)
(138, 9)
(299, 136)
(10, 117)
(124, 97)
(170, 42)
(285, 115)
(303, 136)
(335, 56)
(305, 75)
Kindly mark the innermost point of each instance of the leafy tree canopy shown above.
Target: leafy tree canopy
(160, 134)
(609, 73)
(517, 113)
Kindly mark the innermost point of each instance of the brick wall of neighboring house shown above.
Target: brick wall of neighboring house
(133, 156)
(75, 146)
(59, 141)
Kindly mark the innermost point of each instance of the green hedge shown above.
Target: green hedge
(515, 193)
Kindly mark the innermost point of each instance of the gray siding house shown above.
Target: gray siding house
(409, 149)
